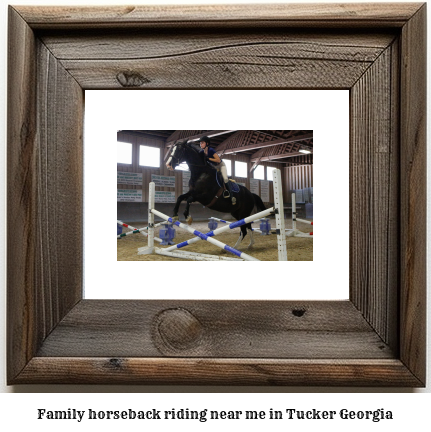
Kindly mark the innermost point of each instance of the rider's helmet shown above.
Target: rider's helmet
(206, 140)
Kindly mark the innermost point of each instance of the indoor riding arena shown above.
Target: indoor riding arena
(158, 169)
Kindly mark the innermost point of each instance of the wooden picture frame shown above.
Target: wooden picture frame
(376, 338)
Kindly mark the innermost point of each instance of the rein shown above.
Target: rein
(178, 158)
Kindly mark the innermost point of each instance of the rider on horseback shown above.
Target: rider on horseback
(214, 159)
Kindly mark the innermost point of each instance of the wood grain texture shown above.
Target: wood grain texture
(59, 183)
(196, 371)
(413, 194)
(146, 45)
(44, 194)
(376, 338)
(300, 14)
(227, 329)
(374, 194)
(21, 196)
(197, 59)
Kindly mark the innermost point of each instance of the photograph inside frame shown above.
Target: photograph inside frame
(215, 195)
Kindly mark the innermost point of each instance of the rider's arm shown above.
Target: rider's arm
(215, 158)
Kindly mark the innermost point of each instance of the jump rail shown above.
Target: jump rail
(136, 231)
(227, 222)
(294, 232)
(174, 252)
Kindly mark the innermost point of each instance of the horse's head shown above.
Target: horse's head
(183, 152)
(177, 155)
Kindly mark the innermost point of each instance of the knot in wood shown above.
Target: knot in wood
(298, 312)
(115, 363)
(178, 329)
(131, 79)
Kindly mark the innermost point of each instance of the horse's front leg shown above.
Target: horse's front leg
(187, 215)
(180, 199)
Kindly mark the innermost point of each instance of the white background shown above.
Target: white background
(324, 112)
(19, 410)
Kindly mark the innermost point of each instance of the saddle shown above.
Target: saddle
(220, 182)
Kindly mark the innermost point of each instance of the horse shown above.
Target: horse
(205, 189)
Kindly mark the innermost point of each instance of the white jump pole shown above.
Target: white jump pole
(220, 220)
(294, 232)
(195, 256)
(304, 221)
(279, 215)
(150, 247)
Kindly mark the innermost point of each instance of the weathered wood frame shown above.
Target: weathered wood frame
(376, 338)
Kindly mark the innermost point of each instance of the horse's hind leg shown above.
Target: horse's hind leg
(239, 240)
(242, 234)
(250, 231)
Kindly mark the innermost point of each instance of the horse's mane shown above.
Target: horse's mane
(194, 147)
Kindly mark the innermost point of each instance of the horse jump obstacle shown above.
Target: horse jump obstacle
(295, 232)
(227, 222)
(174, 252)
(136, 231)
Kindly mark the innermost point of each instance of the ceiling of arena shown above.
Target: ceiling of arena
(287, 147)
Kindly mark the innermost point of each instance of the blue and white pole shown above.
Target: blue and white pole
(208, 237)
(222, 229)
(227, 222)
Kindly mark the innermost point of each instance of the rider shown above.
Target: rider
(214, 159)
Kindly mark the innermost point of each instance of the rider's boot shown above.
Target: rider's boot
(226, 192)
(229, 192)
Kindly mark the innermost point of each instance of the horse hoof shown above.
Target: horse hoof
(174, 218)
(189, 220)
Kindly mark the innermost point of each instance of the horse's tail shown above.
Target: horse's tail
(258, 202)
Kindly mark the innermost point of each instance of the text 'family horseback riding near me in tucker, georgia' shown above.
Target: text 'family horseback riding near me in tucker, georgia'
(204, 415)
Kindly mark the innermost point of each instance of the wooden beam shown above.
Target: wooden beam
(173, 137)
(209, 134)
(273, 158)
(222, 147)
(292, 164)
(256, 163)
(280, 156)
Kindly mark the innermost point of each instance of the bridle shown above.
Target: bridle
(178, 156)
